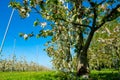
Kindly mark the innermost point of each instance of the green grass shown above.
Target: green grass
(25, 75)
(44, 75)
(105, 75)
(53, 75)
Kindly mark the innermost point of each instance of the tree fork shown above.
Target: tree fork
(83, 66)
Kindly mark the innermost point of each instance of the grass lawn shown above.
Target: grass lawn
(26, 75)
(52, 75)
(105, 75)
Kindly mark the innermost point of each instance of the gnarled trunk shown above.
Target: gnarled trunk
(83, 66)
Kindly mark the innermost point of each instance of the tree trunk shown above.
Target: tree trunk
(82, 68)
(83, 65)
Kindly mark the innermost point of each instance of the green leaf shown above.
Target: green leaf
(38, 36)
(54, 39)
(41, 4)
(50, 33)
(36, 23)
(21, 34)
(74, 17)
(25, 38)
(32, 3)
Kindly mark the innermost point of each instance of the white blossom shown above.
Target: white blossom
(101, 40)
(117, 29)
(28, 14)
(103, 6)
(43, 24)
(108, 31)
(62, 1)
(25, 36)
(118, 9)
(103, 32)
(56, 23)
(22, 10)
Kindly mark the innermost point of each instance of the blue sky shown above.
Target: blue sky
(29, 48)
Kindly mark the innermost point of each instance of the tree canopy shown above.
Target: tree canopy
(105, 48)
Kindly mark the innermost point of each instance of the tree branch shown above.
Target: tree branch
(94, 19)
(89, 39)
(105, 19)
(74, 23)
(36, 10)
(64, 19)
(93, 5)
(101, 2)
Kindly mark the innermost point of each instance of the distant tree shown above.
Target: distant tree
(3, 64)
(13, 64)
(105, 49)
(72, 27)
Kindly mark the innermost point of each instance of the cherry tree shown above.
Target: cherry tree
(73, 25)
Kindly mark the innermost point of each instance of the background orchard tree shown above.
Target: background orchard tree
(10, 64)
(104, 51)
(73, 24)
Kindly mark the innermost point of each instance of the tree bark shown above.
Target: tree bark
(83, 65)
